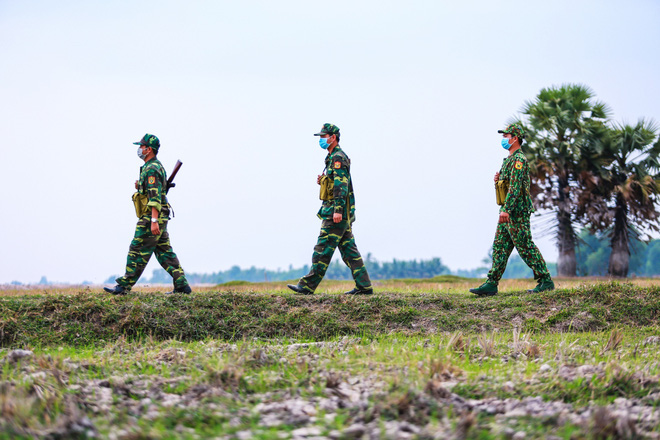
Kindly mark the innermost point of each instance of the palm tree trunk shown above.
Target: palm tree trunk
(566, 264)
(620, 256)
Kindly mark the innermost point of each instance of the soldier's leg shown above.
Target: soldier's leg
(168, 259)
(521, 234)
(139, 253)
(325, 247)
(353, 259)
(502, 247)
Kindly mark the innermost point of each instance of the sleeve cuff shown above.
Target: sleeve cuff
(156, 205)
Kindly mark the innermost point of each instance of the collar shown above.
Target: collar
(333, 152)
(518, 151)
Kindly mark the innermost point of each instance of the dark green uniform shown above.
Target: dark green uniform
(333, 235)
(152, 183)
(516, 233)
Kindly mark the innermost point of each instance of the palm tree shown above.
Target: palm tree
(634, 185)
(562, 123)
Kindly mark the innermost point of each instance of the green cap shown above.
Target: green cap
(514, 130)
(328, 129)
(149, 140)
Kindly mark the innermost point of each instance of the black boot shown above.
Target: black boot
(357, 291)
(117, 290)
(299, 289)
(185, 289)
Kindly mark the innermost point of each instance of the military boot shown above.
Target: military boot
(543, 286)
(299, 289)
(185, 289)
(117, 290)
(358, 291)
(486, 289)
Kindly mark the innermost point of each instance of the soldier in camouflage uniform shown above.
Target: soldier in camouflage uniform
(513, 227)
(337, 214)
(151, 232)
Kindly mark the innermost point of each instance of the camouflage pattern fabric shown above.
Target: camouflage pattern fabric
(515, 169)
(153, 179)
(335, 235)
(149, 140)
(515, 130)
(328, 129)
(518, 204)
(338, 168)
(516, 233)
(143, 245)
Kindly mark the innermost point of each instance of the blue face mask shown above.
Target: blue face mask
(140, 153)
(505, 143)
(323, 142)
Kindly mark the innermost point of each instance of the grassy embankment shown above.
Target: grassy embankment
(419, 360)
(87, 317)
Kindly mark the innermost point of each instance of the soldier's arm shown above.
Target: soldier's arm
(516, 186)
(154, 188)
(340, 190)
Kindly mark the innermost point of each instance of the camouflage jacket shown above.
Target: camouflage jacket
(152, 183)
(338, 168)
(515, 169)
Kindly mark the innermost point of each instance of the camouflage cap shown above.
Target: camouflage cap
(328, 129)
(514, 130)
(149, 140)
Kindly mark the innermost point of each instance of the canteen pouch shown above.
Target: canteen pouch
(327, 185)
(501, 189)
(140, 201)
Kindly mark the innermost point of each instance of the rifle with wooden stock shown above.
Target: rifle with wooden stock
(170, 181)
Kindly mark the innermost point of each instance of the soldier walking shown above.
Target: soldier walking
(337, 215)
(151, 232)
(513, 228)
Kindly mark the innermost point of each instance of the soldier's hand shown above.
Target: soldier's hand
(136, 184)
(318, 179)
(497, 176)
(504, 217)
(336, 217)
(155, 228)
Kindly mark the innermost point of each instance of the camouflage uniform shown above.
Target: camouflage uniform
(518, 204)
(153, 181)
(333, 235)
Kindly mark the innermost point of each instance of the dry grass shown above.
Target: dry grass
(458, 343)
(616, 336)
(487, 343)
(213, 388)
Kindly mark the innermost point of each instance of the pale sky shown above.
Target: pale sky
(235, 90)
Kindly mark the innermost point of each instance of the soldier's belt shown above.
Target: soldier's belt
(501, 189)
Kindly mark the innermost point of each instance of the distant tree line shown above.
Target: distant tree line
(593, 254)
(388, 270)
(336, 271)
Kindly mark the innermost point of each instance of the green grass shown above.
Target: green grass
(211, 364)
(53, 388)
(85, 317)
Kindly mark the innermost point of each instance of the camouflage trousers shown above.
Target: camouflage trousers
(335, 235)
(143, 245)
(516, 233)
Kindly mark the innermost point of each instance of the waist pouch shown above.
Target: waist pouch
(501, 189)
(327, 185)
(140, 201)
